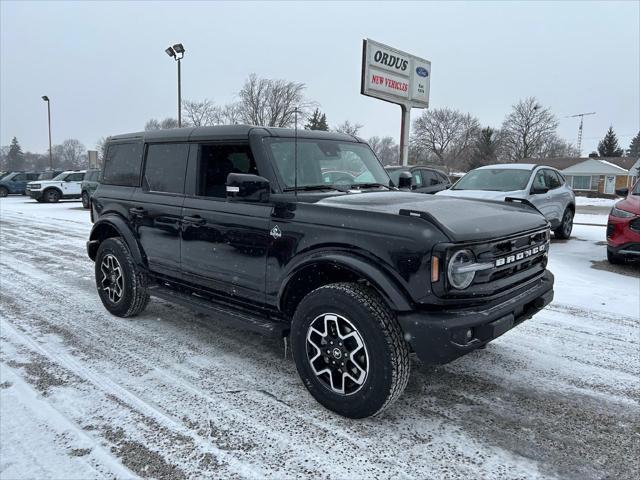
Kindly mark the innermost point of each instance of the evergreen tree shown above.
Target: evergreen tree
(15, 157)
(486, 151)
(634, 147)
(608, 146)
(318, 121)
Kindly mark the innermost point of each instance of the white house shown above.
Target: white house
(599, 176)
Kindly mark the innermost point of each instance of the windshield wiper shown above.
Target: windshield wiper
(369, 185)
(309, 188)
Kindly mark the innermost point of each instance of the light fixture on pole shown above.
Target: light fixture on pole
(46, 99)
(177, 52)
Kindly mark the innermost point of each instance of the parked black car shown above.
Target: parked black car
(423, 179)
(356, 276)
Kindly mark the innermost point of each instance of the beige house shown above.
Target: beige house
(594, 175)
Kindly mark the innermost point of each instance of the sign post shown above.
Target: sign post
(397, 77)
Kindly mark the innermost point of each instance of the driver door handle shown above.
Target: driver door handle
(195, 220)
(137, 212)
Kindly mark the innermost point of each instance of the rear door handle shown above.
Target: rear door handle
(137, 211)
(195, 220)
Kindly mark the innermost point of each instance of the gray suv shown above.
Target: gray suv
(544, 187)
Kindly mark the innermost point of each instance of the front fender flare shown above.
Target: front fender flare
(123, 230)
(383, 282)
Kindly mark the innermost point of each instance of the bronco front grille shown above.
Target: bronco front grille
(514, 260)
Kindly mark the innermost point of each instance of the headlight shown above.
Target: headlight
(459, 276)
(616, 212)
(33, 186)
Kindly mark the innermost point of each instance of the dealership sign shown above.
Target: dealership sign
(394, 76)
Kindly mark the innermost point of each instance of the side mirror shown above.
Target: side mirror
(539, 190)
(622, 192)
(247, 188)
(404, 180)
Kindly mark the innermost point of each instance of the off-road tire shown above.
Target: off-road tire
(51, 195)
(135, 297)
(4, 192)
(388, 352)
(563, 231)
(86, 202)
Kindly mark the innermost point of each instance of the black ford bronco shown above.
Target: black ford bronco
(301, 235)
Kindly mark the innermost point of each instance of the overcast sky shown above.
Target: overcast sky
(103, 64)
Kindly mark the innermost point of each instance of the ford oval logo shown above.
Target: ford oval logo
(423, 72)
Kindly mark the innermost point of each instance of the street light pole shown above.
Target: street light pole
(177, 52)
(179, 97)
(46, 99)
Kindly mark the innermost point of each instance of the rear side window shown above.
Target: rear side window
(165, 167)
(32, 176)
(122, 165)
(75, 177)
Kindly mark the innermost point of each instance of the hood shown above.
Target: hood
(46, 182)
(459, 218)
(630, 204)
(482, 194)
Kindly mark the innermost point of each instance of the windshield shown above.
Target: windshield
(329, 163)
(494, 179)
(61, 176)
(636, 189)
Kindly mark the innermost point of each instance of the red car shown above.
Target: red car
(623, 229)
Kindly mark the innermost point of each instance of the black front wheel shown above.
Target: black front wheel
(121, 284)
(51, 196)
(349, 349)
(85, 200)
(566, 226)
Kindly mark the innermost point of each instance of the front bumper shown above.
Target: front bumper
(439, 337)
(630, 250)
(35, 194)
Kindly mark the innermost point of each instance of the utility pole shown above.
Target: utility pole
(581, 115)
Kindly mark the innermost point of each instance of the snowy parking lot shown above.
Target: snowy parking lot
(173, 394)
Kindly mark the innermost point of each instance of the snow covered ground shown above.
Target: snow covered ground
(173, 394)
(595, 202)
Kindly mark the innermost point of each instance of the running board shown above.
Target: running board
(236, 318)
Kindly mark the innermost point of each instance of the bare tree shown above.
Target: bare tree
(230, 114)
(101, 147)
(554, 147)
(71, 154)
(167, 123)
(386, 149)
(444, 132)
(199, 113)
(272, 103)
(349, 128)
(527, 129)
